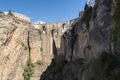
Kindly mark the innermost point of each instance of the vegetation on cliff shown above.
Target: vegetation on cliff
(116, 27)
(28, 71)
(87, 15)
(10, 13)
(104, 67)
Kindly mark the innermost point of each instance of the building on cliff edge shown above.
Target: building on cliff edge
(19, 16)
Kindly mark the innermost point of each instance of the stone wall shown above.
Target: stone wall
(54, 32)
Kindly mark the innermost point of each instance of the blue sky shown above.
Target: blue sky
(45, 10)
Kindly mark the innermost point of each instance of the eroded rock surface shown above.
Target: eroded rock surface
(14, 48)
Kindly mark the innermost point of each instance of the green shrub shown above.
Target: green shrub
(28, 71)
(115, 34)
(94, 13)
(87, 15)
(40, 32)
(25, 47)
(105, 67)
(41, 49)
(39, 62)
(10, 13)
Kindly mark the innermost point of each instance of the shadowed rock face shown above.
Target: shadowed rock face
(87, 43)
(83, 44)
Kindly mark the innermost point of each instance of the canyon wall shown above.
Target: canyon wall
(20, 40)
(75, 39)
(91, 49)
(87, 41)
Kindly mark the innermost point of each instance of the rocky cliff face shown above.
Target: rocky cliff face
(13, 35)
(16, 45)
(59, 54)
(84, 42)
(88, 54)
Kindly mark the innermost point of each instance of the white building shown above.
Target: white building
(19, 16)
(39, 22)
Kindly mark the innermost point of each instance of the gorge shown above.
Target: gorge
(85, 48)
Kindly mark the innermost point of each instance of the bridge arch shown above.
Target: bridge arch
(44, 28)
(64, 26)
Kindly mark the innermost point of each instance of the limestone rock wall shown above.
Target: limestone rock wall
(83, 43)
(13, 55)
(44, 41)
(14, 49)
(54, 31)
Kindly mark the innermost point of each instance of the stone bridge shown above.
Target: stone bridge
(52, 37)
(57, 27)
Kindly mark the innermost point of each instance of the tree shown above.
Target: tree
(10, 13)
